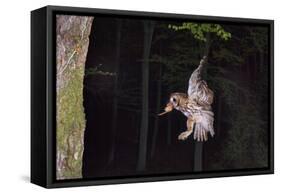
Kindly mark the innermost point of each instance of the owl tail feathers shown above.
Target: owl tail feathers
(202, 128)
(201, 134)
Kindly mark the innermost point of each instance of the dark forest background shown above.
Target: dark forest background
(133, 65)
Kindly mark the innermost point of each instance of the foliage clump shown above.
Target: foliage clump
(199, 30)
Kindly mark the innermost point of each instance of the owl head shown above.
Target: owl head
(176, 100)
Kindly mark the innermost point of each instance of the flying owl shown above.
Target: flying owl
(196, 106)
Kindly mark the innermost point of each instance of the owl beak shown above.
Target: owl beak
(169, 107)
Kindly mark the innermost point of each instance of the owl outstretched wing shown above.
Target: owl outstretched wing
(201, 96)
(198, 89)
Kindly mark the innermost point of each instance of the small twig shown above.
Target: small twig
(83, 29)
(68, 61)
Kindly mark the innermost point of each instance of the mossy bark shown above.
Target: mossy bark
(72, 36)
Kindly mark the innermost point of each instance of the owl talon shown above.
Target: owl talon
(184, 135)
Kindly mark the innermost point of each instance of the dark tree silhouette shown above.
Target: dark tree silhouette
(115, 91)
(148, 33)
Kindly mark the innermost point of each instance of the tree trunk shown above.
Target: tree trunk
(158, 104)
(115, 90)
(72, 34)
(169, 130)
(198, 155)
(219, 108)
(148, 32)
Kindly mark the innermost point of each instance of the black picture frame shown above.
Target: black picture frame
(43, 94)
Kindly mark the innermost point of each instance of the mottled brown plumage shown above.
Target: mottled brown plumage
(196, 106)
